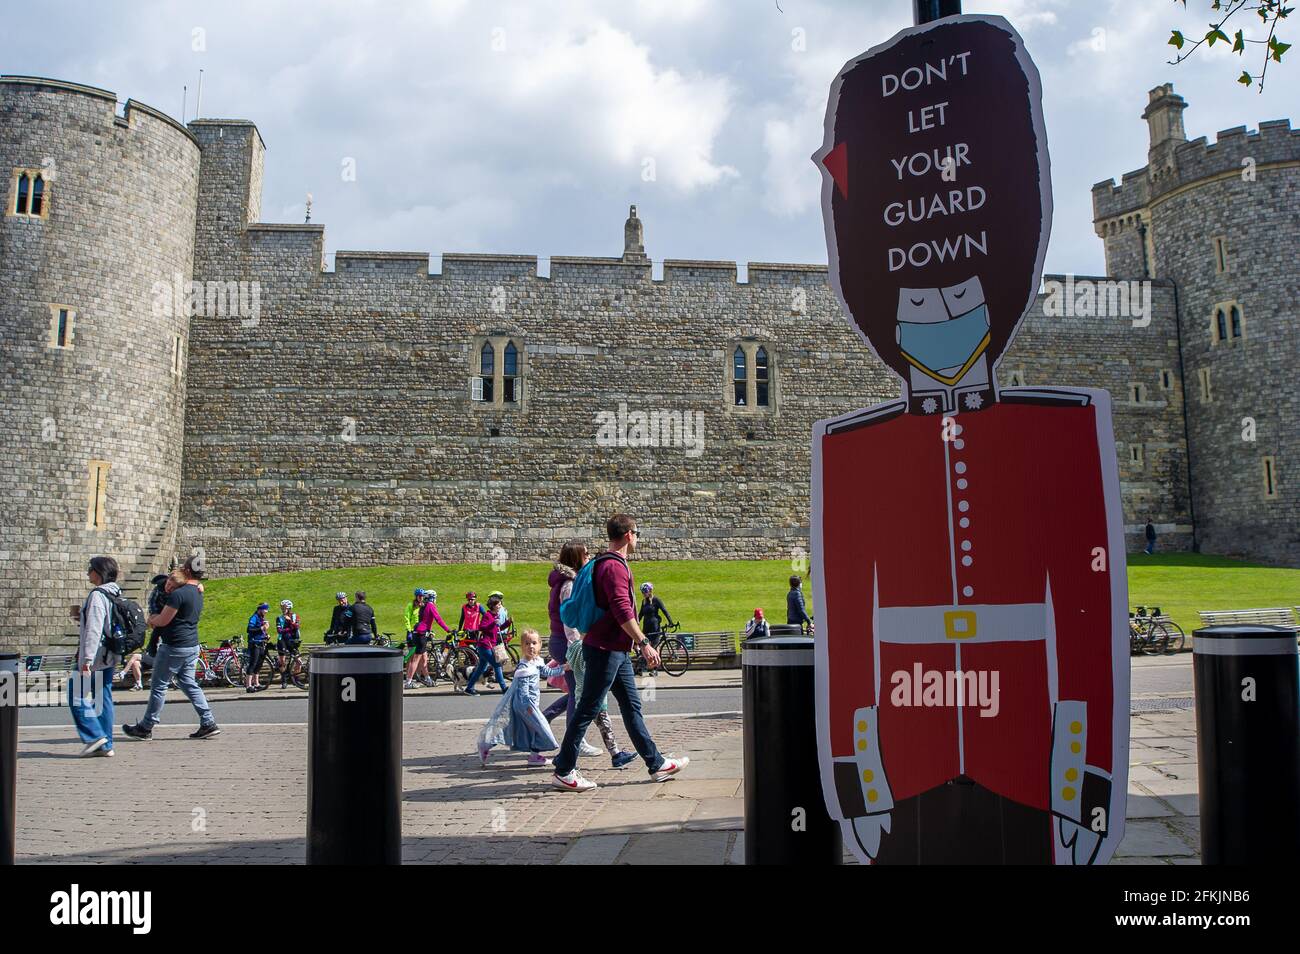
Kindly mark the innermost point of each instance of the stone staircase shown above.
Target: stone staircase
(134, 583)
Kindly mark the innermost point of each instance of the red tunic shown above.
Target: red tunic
(986, 552)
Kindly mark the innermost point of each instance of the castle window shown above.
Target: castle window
(1016, 379)
(1136, 454)
(1166, 380)
(509, 373)
(1207, 395)
(751, 377)
(497, 371)
(96, 494)
(1270, 478)
(27, 194)
(482, 383)
(1234, 314)
(1220, 330)
(1220, 254)
(1137, 393)
(178, 353)
(62, 318)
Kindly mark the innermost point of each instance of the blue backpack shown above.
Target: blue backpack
(580, 611)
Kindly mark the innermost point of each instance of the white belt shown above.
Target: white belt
(972, 623)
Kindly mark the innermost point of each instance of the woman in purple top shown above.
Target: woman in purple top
(488, 637)
(572, 557)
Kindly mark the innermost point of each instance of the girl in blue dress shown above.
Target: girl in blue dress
(517, 721)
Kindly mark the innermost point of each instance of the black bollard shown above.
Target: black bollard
(9, 685)
(354, 757)
(1247, 682)
(786, 822)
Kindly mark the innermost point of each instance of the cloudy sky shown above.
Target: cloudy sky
(529, 127)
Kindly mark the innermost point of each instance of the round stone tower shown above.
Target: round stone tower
(96, 251)
(1222, 220)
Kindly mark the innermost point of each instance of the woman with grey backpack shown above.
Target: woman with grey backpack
(90, 690)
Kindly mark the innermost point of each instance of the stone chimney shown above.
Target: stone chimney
(633, 238)
(1164, 116)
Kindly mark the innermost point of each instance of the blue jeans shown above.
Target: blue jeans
(175, 662)
(361, 640)
(90, 697)
(485, 659)
(606, 672)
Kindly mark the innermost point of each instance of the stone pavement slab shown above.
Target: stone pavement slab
(240, 798)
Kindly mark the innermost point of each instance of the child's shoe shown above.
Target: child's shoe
(483, 751)
(587, 749)
(622, 758)
(537, 758)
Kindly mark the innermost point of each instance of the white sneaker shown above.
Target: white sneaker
(108, 753)
(426, 681)
(573, 782)
(586, 748)
(409, 684)
(670, 768)
(91, 748)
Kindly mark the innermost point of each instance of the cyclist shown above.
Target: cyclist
(364, 625)
(419, 663)
(796, 612)
(470, 614)
(502, 614)
(340, 621)
(288, 630)
(487, 638)
(259, 631)
(651, 607)
(413, 611)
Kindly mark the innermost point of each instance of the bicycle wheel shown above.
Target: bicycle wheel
(383, 639)
(1153, 641)
(509, 668)
(234, 670)
(298, 671)
(673, 657)
(1174, 638)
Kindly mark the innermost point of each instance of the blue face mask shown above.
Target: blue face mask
(934, 346)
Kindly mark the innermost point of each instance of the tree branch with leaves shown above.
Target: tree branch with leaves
(1271, 13)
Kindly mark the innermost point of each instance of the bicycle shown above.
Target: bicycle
(236, 667)
(1149, 635)
(453, 659)
(296, 661)
(674, 657)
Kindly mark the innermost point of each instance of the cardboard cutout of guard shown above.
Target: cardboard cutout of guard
(969, 569)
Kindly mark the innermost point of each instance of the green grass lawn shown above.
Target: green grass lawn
(703, 594)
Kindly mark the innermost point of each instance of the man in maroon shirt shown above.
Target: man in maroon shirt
(605, 649)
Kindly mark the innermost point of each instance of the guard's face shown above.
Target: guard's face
(943, 331)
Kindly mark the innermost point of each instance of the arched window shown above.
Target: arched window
(483, 381)
(1235, 312)
(760, 377)
(510, 374)
(24, 184)
(1220, 325)
(739, 376)
(38, 194)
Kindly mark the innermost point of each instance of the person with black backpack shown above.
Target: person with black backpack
(100, 649)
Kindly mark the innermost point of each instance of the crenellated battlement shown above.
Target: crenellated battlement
(92, 101)
(1234, 150)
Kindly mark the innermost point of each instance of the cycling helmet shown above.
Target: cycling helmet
(497, 593)
(432, 595)
(471, 595)
(419, 592)
(286, 604)
(340, 596)
(647, 587)
(262, 606)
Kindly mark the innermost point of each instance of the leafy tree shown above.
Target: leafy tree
(1271, 13)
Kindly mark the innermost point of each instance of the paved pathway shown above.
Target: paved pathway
(240, 798)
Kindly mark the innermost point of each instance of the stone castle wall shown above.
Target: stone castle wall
(121, 193)
(339, 429)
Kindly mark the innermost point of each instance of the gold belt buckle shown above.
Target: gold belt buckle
(959, 624)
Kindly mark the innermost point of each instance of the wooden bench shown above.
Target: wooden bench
(1280, 616)
(47, 671)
